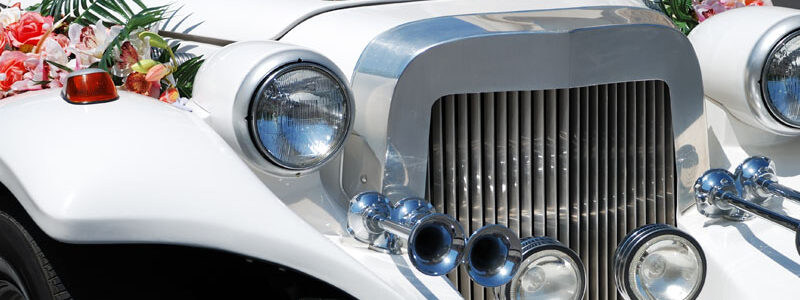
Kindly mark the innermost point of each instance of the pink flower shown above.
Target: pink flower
(157, 72)
(128, 55)
(12, 68)
(170, 96)
(26, 33)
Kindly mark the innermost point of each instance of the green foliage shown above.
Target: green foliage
(184, 75)
(682, 14)
(86, 12)
(57, 65)
(143, 19)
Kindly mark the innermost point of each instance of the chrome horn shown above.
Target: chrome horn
(757, 177)
(492, 255)
(717, 195)
(435, 241)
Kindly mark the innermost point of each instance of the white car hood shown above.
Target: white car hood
(245, 20)
(242, 20)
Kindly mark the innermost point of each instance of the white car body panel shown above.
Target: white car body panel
(105, 189)
(754, 259)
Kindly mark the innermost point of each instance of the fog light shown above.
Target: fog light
(658, 261)
(549, 270)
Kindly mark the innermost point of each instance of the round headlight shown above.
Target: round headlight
(300, 115)
(658, 261)
(780, 82)
(549, 270)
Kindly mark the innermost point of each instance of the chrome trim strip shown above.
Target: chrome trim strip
(395, 82)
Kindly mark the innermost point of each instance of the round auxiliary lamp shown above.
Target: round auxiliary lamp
(659, 261)
(549, 270)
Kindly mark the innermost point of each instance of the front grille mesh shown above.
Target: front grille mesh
(582, 165)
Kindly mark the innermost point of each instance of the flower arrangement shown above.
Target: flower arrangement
(40, 45)
(686, 14)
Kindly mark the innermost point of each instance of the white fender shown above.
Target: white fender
(136, 170)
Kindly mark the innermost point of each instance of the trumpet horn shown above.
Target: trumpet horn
(492, 255)
(435, 241)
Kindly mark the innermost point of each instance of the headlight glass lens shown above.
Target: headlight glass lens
(659, 262)
(781, 80)
(551, 274)
(549, 270)
(300, 116)
(666, 267)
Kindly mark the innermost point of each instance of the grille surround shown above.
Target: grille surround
(571, 164)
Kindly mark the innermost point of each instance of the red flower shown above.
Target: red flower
(3, 40)
(136, 83)
(12, 67)
(26, 33)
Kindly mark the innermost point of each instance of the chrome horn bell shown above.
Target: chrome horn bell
(493, 255)
(435, 241)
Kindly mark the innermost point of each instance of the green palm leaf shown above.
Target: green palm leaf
(86, 12)
(184, 75)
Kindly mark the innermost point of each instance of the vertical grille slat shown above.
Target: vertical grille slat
(584, 165)
(539, 205)
(651, 152)
(594, 223)
(611, 242)
(475, 174)
(501, 162)
(550, 174)
(562, 164)
(462, 193)
(641, 142)
(514, 208)
(526, 160)
(574, 165)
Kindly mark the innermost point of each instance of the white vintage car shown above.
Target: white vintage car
(382, 149)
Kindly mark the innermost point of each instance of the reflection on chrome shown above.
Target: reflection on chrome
(757, 177)
(549, 270)
(435, 241)
(658, 261)
(717, 194)
(493, 254)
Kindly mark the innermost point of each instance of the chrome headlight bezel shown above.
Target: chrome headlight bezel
(282, 166)
(538, 245)
(755, 69)
(765, 95)
(641, 237)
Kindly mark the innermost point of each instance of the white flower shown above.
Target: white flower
(89, 42)
(9, 15)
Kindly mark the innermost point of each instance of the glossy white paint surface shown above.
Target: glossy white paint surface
(755, 259)
(139, 171)
(342, 35)
(724, 45)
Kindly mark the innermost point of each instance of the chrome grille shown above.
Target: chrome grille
(583, 165)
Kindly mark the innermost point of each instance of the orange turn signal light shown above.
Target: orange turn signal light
(89, 86)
